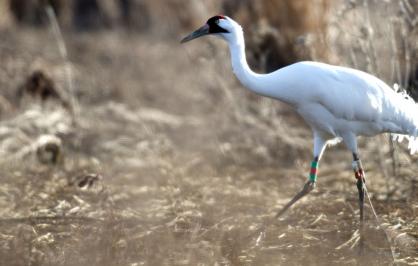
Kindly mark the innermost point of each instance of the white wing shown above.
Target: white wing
(352, 95)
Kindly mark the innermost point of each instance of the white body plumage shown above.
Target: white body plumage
(335, 101)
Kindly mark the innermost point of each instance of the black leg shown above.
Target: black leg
(308, 187)
(359, 174)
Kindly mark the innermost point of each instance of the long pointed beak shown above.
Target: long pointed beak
(196, 34)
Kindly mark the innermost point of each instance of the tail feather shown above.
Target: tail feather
(412, 142)
(407, 116)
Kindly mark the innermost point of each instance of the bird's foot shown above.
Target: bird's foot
(308, 187)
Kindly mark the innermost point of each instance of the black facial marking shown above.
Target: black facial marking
(213, 25)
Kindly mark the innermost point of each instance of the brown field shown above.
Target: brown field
(160, 157)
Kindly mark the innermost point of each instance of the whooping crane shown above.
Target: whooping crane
(338, 103)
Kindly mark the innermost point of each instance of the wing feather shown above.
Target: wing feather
(354, 95)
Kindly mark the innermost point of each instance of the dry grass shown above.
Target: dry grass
(191, 165)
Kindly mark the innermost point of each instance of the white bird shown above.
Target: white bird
(336, 102)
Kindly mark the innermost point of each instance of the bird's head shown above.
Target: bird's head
(221, 26)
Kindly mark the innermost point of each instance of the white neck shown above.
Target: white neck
(240, 66)
(259, 83)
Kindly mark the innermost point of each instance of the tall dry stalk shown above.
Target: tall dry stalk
(62, 48)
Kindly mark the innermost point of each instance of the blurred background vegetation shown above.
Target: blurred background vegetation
(357, 33)
(120, 147)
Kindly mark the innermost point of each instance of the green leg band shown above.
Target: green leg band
(314, 171)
